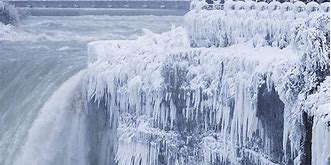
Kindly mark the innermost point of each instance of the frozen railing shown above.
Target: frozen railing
(260, 23)
(261, 6)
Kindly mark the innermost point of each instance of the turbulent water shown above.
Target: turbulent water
(35, 60)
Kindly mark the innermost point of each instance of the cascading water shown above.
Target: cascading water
(58, 134)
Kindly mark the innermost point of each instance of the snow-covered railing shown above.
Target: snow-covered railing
(259, 23)
(252, 5)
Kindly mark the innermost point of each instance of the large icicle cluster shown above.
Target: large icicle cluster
(318, 105)
(175, 106)
(236, 103)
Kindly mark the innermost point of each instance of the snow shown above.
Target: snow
(274, 5)
(325, 6)
(313, 6)
(299, 6)
(197, 5)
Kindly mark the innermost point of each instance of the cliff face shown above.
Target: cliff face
(258, 94)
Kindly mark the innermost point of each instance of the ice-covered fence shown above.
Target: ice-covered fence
(249, 5)
(259, 23)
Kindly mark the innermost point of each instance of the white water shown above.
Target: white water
(35, 60)
(57, 135)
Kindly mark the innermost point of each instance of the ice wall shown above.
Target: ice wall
(181, 105)
(255, 91)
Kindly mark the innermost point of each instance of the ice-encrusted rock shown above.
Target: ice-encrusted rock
(8, 14)
(8, 21)
(182, 105)
(176, 100)
(256, 95)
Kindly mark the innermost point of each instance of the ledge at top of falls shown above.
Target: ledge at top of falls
(120, 50)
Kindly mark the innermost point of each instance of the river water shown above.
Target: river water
(42, 54)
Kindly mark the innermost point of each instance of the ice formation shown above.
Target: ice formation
(8, 21)
(247, 95)
(8, 14)
(170, 102)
